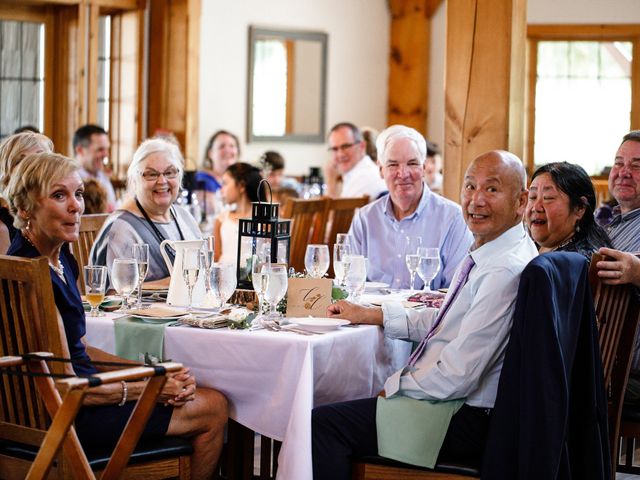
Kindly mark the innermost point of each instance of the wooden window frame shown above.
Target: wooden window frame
(612, 33)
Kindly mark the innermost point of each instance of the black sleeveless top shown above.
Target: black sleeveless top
(7, 219)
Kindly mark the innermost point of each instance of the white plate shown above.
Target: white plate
(375, 285)
(320, 324)
(158, 319)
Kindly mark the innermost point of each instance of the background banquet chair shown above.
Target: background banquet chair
(90, 225)
(29, 322)
(308, 221)
(340, 212)
(568, 350)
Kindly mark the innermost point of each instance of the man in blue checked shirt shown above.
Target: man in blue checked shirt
(380, 229)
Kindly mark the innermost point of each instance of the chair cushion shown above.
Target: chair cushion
(440, 467)
(146, 451)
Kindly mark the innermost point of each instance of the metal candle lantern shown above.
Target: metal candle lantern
(263, 229)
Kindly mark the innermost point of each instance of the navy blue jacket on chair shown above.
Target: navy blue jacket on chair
(550, 416)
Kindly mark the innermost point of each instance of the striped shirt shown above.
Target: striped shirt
(624, 231)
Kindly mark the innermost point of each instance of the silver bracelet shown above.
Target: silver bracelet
(125, 391)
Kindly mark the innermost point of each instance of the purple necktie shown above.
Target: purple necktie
(465, 268)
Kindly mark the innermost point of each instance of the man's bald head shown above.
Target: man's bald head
(493, 194)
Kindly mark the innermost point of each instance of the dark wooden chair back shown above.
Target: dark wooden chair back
(90, 225)
(340, 214)
(308, 220)
(618, 313)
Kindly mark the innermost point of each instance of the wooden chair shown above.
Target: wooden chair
(29, 322)
(308, 220)
(90, 225)
(618, 313)
(601, 187)
(340, 214)
(63, 408)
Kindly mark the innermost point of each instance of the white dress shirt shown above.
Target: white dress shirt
(464, 357)
(363, 179)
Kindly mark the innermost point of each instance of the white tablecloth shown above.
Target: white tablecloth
(274, 379)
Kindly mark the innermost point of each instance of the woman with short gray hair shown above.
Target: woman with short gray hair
(148, 215)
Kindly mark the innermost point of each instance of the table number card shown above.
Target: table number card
(308, 297)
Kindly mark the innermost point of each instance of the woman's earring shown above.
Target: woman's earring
(28, 224)
(577, 228)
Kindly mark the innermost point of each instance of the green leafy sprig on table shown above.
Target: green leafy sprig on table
(243, 324)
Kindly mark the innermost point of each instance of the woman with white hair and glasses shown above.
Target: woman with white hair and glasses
(148, 215)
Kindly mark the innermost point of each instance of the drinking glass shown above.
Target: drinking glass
(277, 284)
(316, 260)
(124, 277)
(411, 257)
(344, 239)
(191, 265)
(259, 279)
(95, 279)
(429, 265)
(223, 283)
(141, 254)
(340, 251)
(208, 254)
(355, 276)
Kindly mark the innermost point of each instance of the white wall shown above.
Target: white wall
(538, 11)
(357, 66)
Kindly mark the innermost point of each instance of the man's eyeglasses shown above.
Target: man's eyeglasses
(154, 175)
(344, 147)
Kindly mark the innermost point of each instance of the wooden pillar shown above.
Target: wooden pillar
(484, 83)
(409, 62)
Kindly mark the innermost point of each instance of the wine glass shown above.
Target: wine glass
(316, 260)
(355, 275)
(429, 265)
(340, 251)
(344, 239)
(191, 265)
(95, 279)
(223, 283)
(140, 252)
(277, 283)
(207, 254)
(124, 277)
(411, 257)
(259, 279)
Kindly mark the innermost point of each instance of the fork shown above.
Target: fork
(274, 327)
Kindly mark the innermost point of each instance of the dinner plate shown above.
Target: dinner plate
(157, 319)
(320, 324)
(375, 285)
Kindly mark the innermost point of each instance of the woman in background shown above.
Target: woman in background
(240, 187)
(559, 213)
(223, 150)
(95, 197)
(13, 150)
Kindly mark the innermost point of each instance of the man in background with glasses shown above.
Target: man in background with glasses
(360, 174)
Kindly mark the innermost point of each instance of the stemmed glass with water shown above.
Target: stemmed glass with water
(355, 275)
(276, 288)
(341, 252)
(429, 265)
(208, 253)
(140, 252)
(411, 257)
(223, 283)
(316, 260)
(124, 277)
(192, 261)
(95, 279)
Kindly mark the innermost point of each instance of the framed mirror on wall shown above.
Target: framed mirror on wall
(287, 84)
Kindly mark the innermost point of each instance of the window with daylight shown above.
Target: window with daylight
(21, 75)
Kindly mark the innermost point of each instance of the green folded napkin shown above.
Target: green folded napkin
(136, 339)
(412, 431)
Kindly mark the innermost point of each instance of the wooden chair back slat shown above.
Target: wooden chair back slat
(90, 225)
(341, 212)
(601, 188)
(308, 220)
(618, 313)
(26, 300)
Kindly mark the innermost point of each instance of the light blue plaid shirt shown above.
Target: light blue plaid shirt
(380, 237)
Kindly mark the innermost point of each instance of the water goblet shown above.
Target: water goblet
(140, 252)
(95, 279)
(429, 265)
(208, 254)
(191, 265)
(259, 279)
(223, 283)
(124, 278)
(316, 260)
(344, 239)
(277, 283)
(355, 276)
(411, 257)
(340, 251)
